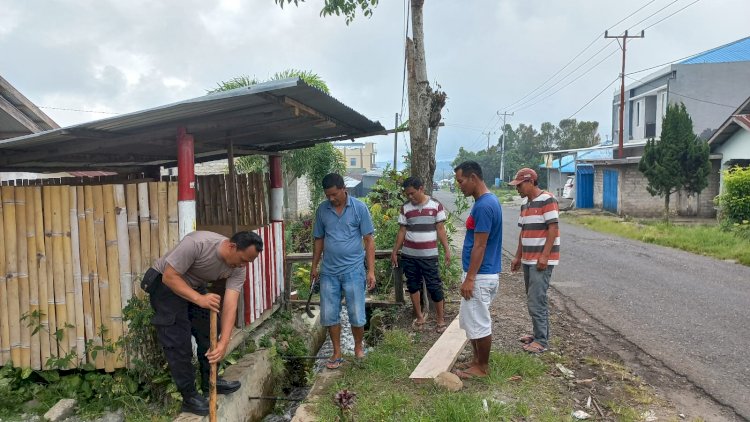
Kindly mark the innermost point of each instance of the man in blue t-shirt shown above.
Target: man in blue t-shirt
(481, 259)
(343, 236)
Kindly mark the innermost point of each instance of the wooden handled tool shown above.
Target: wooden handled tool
(212, 378)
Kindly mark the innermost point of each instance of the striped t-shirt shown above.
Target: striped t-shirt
(421, 231)
(536, 216)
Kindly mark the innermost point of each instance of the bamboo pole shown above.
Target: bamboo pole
(91, 243)
(11, 271)
(123, 247)
(173, 218)
(41, 270)
(31, 263)
(58, 272)
(145, 226)
(86, 297)
(163, 219)
(70, 304)
(75, 247)
(134, 240)
(104, 287)
(4, 317)
(51, 311)
(23, 276)
(113, 268)
(153, 200)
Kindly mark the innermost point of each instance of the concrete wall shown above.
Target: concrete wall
(723, 83)
(735, 148)
(635, 201)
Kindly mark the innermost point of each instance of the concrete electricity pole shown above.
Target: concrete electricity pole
(624, 38)
(502, 146)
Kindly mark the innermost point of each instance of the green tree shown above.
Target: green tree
(678, 161)
(313, 162)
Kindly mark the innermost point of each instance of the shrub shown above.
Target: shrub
(735, 200)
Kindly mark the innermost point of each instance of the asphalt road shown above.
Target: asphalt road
(688, 311)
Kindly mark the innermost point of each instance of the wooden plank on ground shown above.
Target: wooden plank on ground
(442, 355)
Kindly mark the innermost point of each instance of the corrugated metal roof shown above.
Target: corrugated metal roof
(18, 115)
(737, 51)
(263, 118)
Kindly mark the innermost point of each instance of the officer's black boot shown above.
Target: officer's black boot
(195, 403)
(222, 386)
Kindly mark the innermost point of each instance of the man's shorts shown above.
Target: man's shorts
(474, 314)
(353, 285)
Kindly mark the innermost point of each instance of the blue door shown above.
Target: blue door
(585, 186)
(609, 202)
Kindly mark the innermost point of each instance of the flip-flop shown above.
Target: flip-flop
(418, 325)
(334, 364)
(440, 328)
(534, 348)
(528, 338)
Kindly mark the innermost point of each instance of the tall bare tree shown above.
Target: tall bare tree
(425, 102)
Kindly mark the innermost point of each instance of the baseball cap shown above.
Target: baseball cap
(523, 175)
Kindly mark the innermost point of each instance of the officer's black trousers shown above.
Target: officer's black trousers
(176, 320)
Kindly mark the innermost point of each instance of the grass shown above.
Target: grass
(700, 239)
(385, 392)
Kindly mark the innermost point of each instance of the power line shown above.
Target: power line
(661, 65)
(652, 15)
(672, 14)
(596, 38)
(594, 97)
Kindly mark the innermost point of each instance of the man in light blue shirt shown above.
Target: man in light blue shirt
(343, 236)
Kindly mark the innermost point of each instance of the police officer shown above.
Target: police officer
(177, 284)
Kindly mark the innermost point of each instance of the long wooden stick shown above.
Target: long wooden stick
(123, 247)
(42, 267)
(36, 362)
(11, 266)
(4, 318)
(212, 380)
(23, 276)
(172, 215)
(163, 219)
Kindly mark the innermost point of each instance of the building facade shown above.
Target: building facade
(359, 156)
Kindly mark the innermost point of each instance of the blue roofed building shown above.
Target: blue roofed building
(710, 84)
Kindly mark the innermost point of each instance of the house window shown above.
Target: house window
(638, 114)
(353, 162)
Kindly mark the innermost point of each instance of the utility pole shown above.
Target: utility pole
(624, 38)
(395, 144)
(488, 138)
(502, 146)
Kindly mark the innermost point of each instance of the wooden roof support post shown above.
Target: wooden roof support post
(232, 180)
(186, 182)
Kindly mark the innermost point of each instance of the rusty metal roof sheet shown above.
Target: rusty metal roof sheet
(260, 119)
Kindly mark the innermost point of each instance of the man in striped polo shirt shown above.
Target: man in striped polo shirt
(538, 251)
(422, 224)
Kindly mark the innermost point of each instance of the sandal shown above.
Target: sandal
(534, 348)
(418, 325)
(334, 364)
(465, 375)
(526, 339)
(440, 328)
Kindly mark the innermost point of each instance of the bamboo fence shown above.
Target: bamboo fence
(72, 256)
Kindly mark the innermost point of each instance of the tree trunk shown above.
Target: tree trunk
(425, 105)
(666, 206)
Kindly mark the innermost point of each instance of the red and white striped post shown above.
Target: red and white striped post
(277, 189)
(185, 182)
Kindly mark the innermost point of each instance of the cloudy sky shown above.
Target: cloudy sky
(108, 56)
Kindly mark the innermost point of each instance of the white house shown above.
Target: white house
(732, 139)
